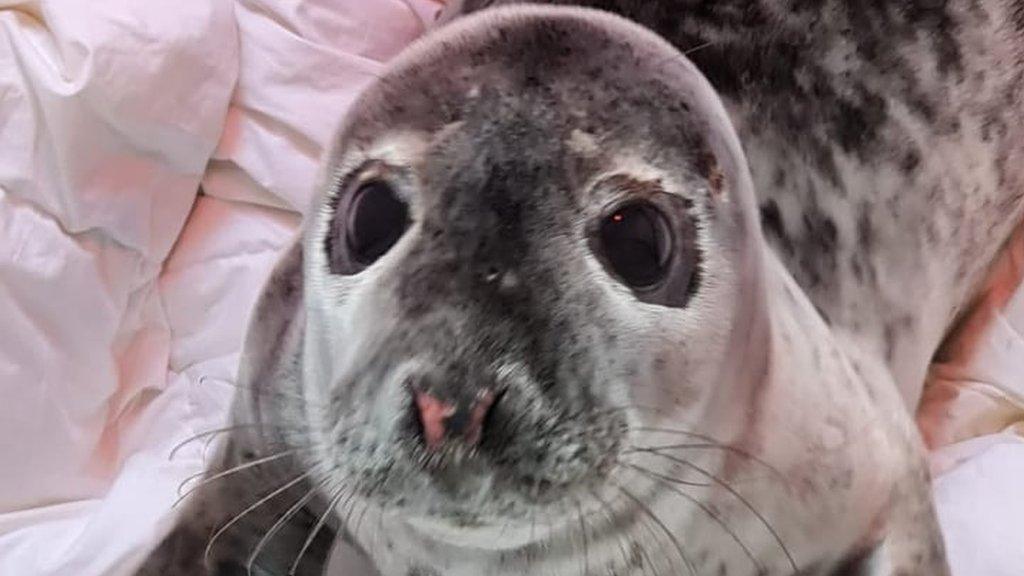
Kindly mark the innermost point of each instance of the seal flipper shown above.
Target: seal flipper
(270, 362)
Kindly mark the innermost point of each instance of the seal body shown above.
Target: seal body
(646, 293)
(884, 145)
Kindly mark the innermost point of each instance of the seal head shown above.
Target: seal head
(537, 240)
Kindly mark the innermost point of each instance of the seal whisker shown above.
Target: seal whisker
(276, 527)
(335, 498)
(230, 471)
(181, 486)
(760, 517)
(531, 552)
(504, 529)
(533, 525)
(378, 534)
(607, 510)
(217, 431)
(646, 510)
(633, 451)
(362, 515)
(692, 483)
(645, 558)
(681, 432)
(669, 482)
(256, 391)
(570, 528)
(243, 513)
(711, 446)
(698, 48)
(350, 505)
(583, 530)
(644, 523)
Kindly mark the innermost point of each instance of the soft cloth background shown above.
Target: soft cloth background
(124, 292)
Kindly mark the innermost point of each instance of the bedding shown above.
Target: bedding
(154, 159)
(972, 418)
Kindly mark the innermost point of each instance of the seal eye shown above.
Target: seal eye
(376, 219)
(370, 217)
(636, 242)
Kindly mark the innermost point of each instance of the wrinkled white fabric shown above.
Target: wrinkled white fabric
(113, 348)
(972, 416)
(124, 295)
(109, 111)
(302, 64)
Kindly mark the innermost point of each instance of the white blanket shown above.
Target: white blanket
(124, 292)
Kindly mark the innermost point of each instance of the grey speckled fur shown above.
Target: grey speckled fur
(841, 174)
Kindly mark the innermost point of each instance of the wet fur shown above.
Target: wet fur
(884, 145)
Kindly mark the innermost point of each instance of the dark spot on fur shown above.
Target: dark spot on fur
(1017, 15)
(817, 247)
(889, 334)
(708, 167)
(841, 480)
(865, 232)
(910, 162)
(779, 180)
(775, 229)
(857, 123)
(856, 268)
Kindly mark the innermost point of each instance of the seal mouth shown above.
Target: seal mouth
(537, 463)
(532, 458)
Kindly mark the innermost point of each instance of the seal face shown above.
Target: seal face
(524, 286)
(554, 290)
(533, 325)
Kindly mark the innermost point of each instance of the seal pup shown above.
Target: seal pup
(648, 294)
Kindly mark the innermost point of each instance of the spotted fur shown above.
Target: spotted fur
(839, 174)
(869, 124)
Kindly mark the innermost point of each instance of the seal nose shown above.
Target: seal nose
(440, 419)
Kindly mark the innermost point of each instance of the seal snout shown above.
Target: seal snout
(440, 419)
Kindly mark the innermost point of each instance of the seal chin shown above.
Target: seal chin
(498, 521)
(492, 536)
(471, 491)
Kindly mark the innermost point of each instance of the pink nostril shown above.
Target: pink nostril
(433, 415)
(440, 419)
(477, 413)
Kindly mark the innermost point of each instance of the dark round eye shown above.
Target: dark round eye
(369, 218)
(636, 242)
(376, 219)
